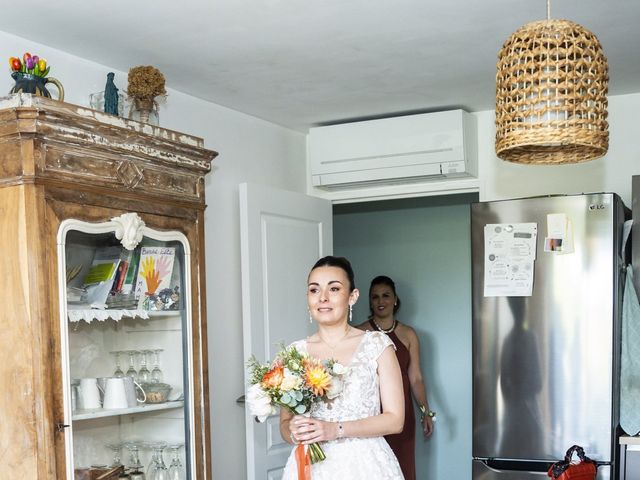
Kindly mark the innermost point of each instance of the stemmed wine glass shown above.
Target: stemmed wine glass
(117, 449)
(134, 457)
(176, 470)
(157, 468)
(152, 463)
(118, 372)
(144, 375)
(131, 371)
(156, 373)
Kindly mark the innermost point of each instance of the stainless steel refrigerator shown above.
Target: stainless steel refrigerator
(545, 365)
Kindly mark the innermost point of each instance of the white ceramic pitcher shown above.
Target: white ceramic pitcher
(88, 394)
(111, 389)
(131, 387)
(115, 395)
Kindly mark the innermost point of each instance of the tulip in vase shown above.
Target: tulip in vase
(30, 75)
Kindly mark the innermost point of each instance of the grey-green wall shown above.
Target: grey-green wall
(424, 245)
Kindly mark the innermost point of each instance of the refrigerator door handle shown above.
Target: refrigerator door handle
(522, 465)
(516, 465)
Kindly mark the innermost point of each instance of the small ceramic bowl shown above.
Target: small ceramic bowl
(156, 392)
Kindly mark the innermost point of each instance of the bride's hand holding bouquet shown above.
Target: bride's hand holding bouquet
(293, 380)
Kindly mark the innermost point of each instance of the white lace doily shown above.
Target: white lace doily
(89, 315)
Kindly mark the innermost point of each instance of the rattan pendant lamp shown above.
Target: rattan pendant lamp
(551, 95)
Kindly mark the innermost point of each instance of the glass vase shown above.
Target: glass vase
(96, 101)
(144, 110)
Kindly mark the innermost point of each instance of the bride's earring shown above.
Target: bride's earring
(350, 312)
(310, 317)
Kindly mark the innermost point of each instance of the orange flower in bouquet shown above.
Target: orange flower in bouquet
(273, 378)
(316, 376)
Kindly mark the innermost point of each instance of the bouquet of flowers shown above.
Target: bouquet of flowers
(294, 381)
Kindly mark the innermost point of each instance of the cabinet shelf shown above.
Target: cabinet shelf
(148, 407)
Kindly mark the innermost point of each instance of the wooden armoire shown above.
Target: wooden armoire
(63, 163)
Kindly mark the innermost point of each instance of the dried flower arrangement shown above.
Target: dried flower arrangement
(145, 82)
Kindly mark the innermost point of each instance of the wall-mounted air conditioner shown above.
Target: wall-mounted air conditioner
(413, 148)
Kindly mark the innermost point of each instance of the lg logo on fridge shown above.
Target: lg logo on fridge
(597, 206)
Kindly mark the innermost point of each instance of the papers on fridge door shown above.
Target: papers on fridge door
(509, 256)
(559, 237)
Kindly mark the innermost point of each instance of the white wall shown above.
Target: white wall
(251, 150)
(611, 173)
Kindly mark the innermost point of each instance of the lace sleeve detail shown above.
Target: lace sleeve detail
(301, 345)
(378, 341)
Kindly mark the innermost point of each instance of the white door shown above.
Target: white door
(282, 235)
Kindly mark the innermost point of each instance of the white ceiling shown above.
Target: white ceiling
(301, 63)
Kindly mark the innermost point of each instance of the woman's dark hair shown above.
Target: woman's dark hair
(384, 280)
(339, 262)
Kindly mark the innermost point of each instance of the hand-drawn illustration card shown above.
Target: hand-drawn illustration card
(154, 275)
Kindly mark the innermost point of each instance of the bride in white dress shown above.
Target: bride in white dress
(350, 428)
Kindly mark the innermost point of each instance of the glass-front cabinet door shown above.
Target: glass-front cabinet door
(127, 366)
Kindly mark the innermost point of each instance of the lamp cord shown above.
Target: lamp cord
(548, 9)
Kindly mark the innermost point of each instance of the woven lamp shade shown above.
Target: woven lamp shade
(551, 95)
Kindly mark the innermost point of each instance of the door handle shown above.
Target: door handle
(240, 400)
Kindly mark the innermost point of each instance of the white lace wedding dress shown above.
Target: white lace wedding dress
(353, 458)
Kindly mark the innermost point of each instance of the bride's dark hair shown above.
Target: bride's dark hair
(339, 262)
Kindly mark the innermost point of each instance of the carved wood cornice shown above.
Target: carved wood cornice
(46, 141)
